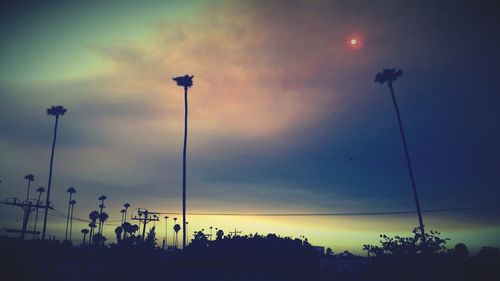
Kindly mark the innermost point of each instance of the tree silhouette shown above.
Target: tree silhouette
(72, 204)
(93, 216)
(30, 179)
(397, 246)
(118, 233)
(122, 211)
(102, 218)
(40, 190)
(126, 205)
(177, 227)
(84, 232)
(101, 207)
(71, 191)
(185, 81)
(55, 111)
(127, 229)
(390, 75)
(220, 234)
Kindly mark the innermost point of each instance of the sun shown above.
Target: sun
(353, 42)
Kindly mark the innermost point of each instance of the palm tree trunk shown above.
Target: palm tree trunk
(184, 168)
(50, 178)
(27, 199)
(408, 162)
(28, 193)
(91, 234)
(84, 238)
(71, 222)
(36, 213)
(67, 217)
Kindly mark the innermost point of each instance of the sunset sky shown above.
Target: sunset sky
(284, 116)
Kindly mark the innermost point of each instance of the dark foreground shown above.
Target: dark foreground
(237, 258)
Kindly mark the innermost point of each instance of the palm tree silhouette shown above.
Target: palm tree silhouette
(30, 178)
(102, 218)
(390, 75)
(220, 234)
(101, 207)
(177, 227)
(40, 190)
(123, 214)
(71, 191)
(185, 81)
(93, 216)
(55, 111)
(84, 232)
(126, 205)
(118, 233)
(72, 204)
(166, 231)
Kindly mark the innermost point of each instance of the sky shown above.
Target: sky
(284, 116)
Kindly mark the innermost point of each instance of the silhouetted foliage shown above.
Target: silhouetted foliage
(400, 246)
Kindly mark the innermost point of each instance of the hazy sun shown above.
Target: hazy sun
(353, 42)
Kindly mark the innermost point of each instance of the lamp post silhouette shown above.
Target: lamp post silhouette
(390, 75)
(185, 81)
(71, 191)
(55, 111)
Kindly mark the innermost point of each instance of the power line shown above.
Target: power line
(378, 213)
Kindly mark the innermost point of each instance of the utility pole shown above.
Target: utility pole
(27, 207)
(145, 216)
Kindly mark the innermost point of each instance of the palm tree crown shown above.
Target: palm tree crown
(40, 189)
(93, 216)
(30, 177)
(126, 205)
(388, 75)
(85, 231)
(72, 202)
(184, 81)
(103, 216)
(71, 190)
(56, 110)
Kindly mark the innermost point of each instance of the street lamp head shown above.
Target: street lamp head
(185, 81)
